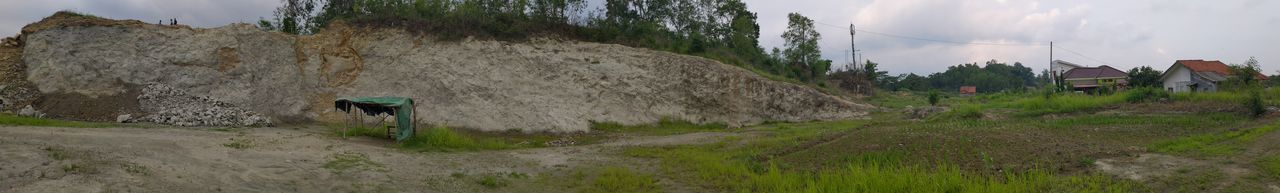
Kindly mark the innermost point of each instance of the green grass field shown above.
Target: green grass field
(1008, 142)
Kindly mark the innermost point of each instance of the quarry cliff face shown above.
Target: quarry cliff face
(536, 85)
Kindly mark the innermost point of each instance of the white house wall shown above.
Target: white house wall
(1177, 79)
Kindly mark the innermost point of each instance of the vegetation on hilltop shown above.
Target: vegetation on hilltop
(723, 30)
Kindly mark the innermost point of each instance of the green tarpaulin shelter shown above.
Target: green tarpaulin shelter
(400, 107)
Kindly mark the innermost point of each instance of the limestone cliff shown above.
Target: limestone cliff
(537, 85)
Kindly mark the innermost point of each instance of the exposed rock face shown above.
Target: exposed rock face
(174, 107)
(541, 85)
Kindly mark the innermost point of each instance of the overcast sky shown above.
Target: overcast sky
(1123, 34)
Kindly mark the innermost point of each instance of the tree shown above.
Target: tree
(801, 41)
(294, 16)
(1144, 76)
(1244, 76)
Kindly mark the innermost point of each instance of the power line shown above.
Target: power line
(968, 43)
(1081, 55)
(929, 39)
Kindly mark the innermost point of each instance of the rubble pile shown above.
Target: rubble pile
(174, 107)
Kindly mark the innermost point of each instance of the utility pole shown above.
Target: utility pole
(853, 46)
(1053, 71)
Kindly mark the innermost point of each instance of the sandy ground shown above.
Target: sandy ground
(1235, 169)
(45, 159)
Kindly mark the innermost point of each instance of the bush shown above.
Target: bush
(1069, 103)
(962, 112)
(1145, 94)
(1254, 103)
(933, 97)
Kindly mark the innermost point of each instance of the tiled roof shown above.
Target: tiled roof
(1214, 66)
(1094, 73)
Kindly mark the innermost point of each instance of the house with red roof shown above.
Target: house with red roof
(1088, 79)
(968, 90)
(1197, 76)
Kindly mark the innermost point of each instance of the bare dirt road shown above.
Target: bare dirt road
(48, 159)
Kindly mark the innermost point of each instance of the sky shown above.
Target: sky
(1122, 34)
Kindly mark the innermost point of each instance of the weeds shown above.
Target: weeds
(1145, 94)
(57, 153)
(962, 112)
(347, 160)
(135, 169)
(13, 120)
(1270, 165)
(445, 139)
(1034, 106)
(622, 180)
(76, 168)
(241, 143)
(490, 181)
(1227, 143)
(665, 126)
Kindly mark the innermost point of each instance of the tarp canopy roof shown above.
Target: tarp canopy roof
(400, 107)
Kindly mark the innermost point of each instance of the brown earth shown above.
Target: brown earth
(73, 106)
(44, 159)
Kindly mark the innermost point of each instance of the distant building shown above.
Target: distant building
(1197, 76)
(1059, 68)
(968, 90)
(1091, 78)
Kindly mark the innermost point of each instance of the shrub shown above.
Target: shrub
(1254, 103)
(933, 97)
(1145, 94)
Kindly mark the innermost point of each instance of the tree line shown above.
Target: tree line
(723, 30)
(995, 76)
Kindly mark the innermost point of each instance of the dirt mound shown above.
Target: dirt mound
(80, 107)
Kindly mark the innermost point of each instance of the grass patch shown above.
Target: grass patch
(77, 168)
(1190, 180)
(622, 180)
(665, 126)
(241, 143)
(1035, 106)
(14, 120)
(348, 160)
(1270, 165)
(1227, 143)
(57, 153)
(445, 139)
(135, 169)
(738, 168)
(967, 111)
(491, 181)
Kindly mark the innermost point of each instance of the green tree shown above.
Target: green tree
(801, 40)
(1144, 76)
(1244, 76)
(293, 16)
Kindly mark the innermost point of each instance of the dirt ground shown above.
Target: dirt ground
(48, 159)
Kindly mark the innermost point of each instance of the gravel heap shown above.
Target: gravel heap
(174, 107)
